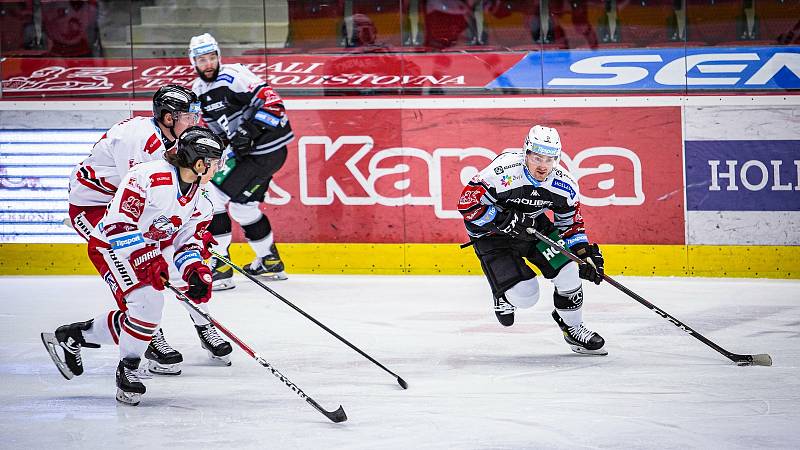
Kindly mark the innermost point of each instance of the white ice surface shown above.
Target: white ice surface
(473, 383)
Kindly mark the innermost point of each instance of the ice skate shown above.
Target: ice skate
(222, 275)
(504, 311)
(162, 359)
(269, 267)
(70, 339)
(129, 386)
(218, 349)
(581, 339)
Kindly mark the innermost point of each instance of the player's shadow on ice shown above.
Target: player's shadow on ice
(551, 362)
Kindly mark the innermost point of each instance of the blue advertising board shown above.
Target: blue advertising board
(758, 175)
(656, 69)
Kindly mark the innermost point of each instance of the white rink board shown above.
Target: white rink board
(473, 384)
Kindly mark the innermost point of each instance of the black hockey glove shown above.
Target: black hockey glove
(592, 269)
(516, 225)
(243, 142)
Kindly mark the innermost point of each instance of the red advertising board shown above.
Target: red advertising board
(27, 77)
(395, 175)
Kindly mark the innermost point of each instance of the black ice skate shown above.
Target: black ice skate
(218, 349)
(504, 311)
(581, 339)
(222, 275)
(129, 386)
(162, 359)
(270, 266)
(70, 339)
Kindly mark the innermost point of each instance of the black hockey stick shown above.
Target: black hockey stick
(255, 280)
(761, 359)
(335, 416)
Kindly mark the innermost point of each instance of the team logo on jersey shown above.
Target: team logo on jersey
(506, 180)
(163, 227)
(132, 204)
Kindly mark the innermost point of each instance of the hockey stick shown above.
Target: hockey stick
(335, 416)
(761, 359)
(255, 280)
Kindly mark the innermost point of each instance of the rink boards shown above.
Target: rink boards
(701, 185)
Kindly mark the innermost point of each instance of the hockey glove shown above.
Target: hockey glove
(198, 276)
(150, 267)
(592, 269)
(516, 225)
(243, 141)
(208, 241)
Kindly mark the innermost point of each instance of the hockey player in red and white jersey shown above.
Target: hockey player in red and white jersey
(499, 206)
(160, 203)
(95, 181)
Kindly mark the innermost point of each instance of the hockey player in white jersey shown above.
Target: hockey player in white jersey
(507, 198)
(247, 113)
(95, 180)
(159, 203)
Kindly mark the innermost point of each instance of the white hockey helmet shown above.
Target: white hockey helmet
(544, 141)
(200, 45)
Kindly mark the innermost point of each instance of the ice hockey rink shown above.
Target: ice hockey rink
(473, 384)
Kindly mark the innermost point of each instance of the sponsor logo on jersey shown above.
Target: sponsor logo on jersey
(506, 180)
(161, 179)
(474, 214)
(572, 240)
(120, 269)
(225, 77)
(153, 143)
(498, 170)
(558, 184)
(80, 225)
(111, 282)
(126, 241)
(187, 256)
(147, 256)
(529, 202)
(118, 228)
(132, 204)
(491, 213)
(269, 119)
(214, 106)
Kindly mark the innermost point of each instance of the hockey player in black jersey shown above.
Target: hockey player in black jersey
(509, 197)
(249, 115)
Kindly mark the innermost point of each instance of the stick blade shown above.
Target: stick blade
(402, 383)
(337, 416)
(761, 359)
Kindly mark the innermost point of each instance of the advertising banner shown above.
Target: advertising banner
(657, 69)
(395, 175)
(363, 71)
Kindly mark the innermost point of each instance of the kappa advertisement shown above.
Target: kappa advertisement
(393, 175)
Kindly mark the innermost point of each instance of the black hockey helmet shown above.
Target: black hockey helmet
(198, 143)
(173, 98)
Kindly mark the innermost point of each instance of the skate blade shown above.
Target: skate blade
(274, 276)
(585, 351)
(144, 374)
(221, 360)
(128, 398)
(163, 369)
(50, 343)
(223, 285)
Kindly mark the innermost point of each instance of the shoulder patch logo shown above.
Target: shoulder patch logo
(558, 184)
(161, 179)
(153, 143)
